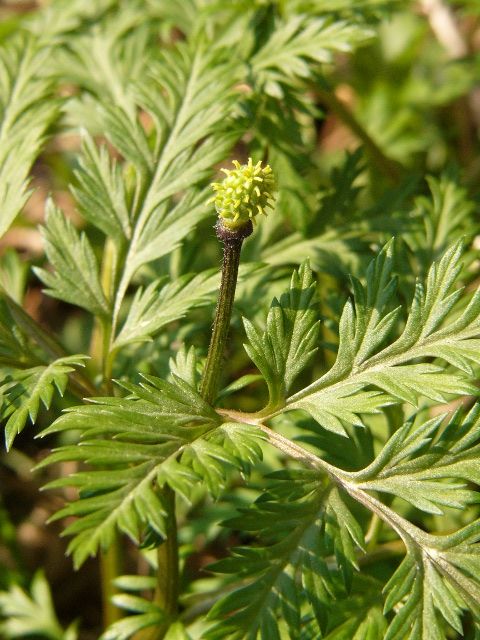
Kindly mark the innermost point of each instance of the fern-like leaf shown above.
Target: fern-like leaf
(298, 41)
(162, 433)
(311, 524)
(288, 343)
(446, 215)
(27, 108)
(433, 329)
(76, 278)
(438, 579)
(430, 590)
(32, 614)
(101, 192)
(154, 307)
(23, 390)
(427, 469)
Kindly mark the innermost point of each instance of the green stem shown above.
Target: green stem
(101, 336)
(110, 563)
(167, 591)
(167, 555)
(110, 560)
(374, 530)
(232, 245)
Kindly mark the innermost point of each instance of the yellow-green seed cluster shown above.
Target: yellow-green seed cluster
(246, 191)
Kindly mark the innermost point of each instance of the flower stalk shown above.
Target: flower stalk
(232, 246)
(246, 191)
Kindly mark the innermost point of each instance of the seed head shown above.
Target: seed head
(246, 191)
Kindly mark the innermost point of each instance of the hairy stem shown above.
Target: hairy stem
(166, 595)
(232, 245)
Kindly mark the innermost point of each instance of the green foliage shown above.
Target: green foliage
(124, 494)
(14, 349)
(101, 193)
(27, 108)
(298, 40)
(154, 307)
(76, 278)
(289, 341)
(32, 615)
(366, 358)
(413, 459)
(341, 456)
(24, 389)
(445, 215)
(303, 532)
(145, 613)
(134, 458)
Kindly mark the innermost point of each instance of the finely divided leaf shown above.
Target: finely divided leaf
(293, 569)
(446, 215)
(101, 192)
(27, 108)
(231, 445)
(436, 327)
(23, 390)
(155, 306)
(76, 278)
(104, 57)
(189, 95)
(289, 341)
(298, 41)
(431, 589)
(32, 614)
(162, 433)
(430, 464)
(163, 232)
(131, 444)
